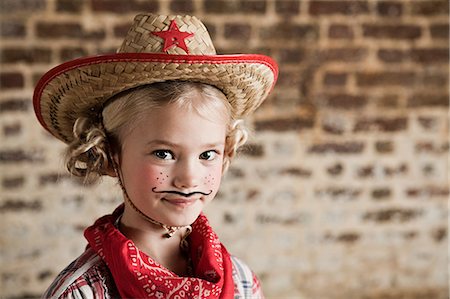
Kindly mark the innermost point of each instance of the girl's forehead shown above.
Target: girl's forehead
(175, 125)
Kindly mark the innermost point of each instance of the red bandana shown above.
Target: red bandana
(138, 276)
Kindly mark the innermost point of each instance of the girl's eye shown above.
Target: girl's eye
(163, 154)
(208, 155)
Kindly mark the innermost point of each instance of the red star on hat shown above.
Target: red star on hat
(174, 37)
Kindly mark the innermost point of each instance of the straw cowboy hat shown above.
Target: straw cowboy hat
(156, 48)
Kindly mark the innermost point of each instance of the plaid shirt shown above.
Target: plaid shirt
(89, 277)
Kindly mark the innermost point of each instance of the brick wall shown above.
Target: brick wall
(342, 192)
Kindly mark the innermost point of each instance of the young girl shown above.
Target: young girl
(163, 116)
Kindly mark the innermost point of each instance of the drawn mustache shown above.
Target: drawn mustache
(181, 193)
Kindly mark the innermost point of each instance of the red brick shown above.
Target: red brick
(384, 147)
(427, 123)
(439, 31)
(345, 101)
(288, 56)
(388, 78)
(289, 220)
(19, 205)
(220, 6)
(435, 79)
(392, 55)
(348, 237)
(289, 31)
(70, 6)
(288, 78)
(182, 6)
(335, 79)
(430, 55)
(327, 7)
(12, 28)
(429, 147)
(386, 101)
(381, 124)
(337, 193)
(58, 30)
(428, 191)
(346, 54)
(252, 149)
(53, 30)
(401, 169)
(120, 6)
(72, 53)
(392, 214)
(14, 182)
(27, 55)
(333, 129)
(335, 169)
(381, 193)
(294, 171)
(287, 7)
(11, 105)
(11, 80)
(252, 7)
(439, 234)
(19, 155)
(284, 124)
(121, 30)
(237, 31)
(9, 7)
(13, 129)
(389, 8)
(401, 31)
(428, 100)
(339, 31)
(430, 7)
(350, 147)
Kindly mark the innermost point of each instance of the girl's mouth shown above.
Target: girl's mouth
(180, 202)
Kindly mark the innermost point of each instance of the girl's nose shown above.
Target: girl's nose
(187, 175)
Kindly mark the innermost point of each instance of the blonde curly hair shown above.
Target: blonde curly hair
(97, 140)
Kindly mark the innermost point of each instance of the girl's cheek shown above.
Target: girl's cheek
(155, 177)
(160, 179)
(212, 179)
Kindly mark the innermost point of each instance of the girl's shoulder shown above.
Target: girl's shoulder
(86, 277)
(246, 283)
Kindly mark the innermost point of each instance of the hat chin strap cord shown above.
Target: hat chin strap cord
(170, 230)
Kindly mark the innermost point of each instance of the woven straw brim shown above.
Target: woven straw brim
(81, 87)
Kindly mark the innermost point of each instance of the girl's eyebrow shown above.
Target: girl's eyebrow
(171, 144)
(161, 142)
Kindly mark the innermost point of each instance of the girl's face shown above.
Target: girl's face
(171, 164)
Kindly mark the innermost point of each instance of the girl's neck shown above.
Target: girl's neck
(150, 239)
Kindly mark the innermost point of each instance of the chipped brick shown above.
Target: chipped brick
(350, 147)
(252, 149)
(392, 215)
(20, 205)
(381, 124)
(284, 124)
